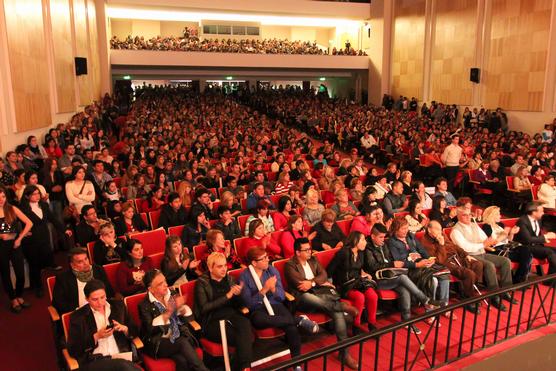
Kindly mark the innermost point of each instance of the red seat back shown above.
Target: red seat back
(154, 217)
(153, 242)
(175, 231)
(66, 324)
(235, 273)
(510, 222)
(241, 248)
(111, 272)
(157, 259)
(91, 250)
(200, 252)
(145, 218)
(50, 282)
(242, 221)
(344, 225)
(280, 267)
(187, 290)
(326, 256)
(535, 192)
(132, 304)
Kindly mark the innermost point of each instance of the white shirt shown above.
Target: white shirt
(36, 209)
(451, 155)
(108, 345)
(80, 293)
(308, 271)
(535, 225)
(469, 237)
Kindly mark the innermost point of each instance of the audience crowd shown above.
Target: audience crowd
(250, 205)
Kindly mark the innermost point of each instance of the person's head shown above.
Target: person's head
(215, 239)
(173, 247)
(341, 196)
(79, 260)
(441, 184)
(465, 202)
(156, 283)
(378, 234)
(434, 228)
(284, 204)
(95, 293)
(406, 176)
(397, 188)
(262, 207)
(98, 166)
(549, 179)
(419, 187)
(134, 249)
(439, 203)
(356, 240)
(535, 210)
(415, 207)
(70, 149)
(89, 214)
(302, 248)
(295, 223)
(370, 194)
(174, 201)
(399, 227)
(521, 171)
(198, 216)
(312, 197)
(328, 218)
(491, 215)
(464, 215)
(31, 193)
(78, 173)
(258, 189)
(203, 195)
(256, 228)
(106, 232)
(217, 265)
(455, 139)
(31, 177)
(258, 258)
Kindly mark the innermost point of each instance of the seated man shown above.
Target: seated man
(473, 240)
(87, 230)
(217, 298)
(164, 324)
(377, 257)
(395, 201)
(173, 213)
(100, 330)
(68, 292)
(442, 190)
(264, 294)
(461, 265)
(309, 284)
(530, 234)
(227, 224)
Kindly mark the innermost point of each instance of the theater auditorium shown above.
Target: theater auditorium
(277, 185)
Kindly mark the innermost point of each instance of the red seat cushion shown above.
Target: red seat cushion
(387, 294)
(268, 333)
(214, 349)
(162, 364)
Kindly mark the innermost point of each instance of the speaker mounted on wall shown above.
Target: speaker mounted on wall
(475, 75)
(80, 66)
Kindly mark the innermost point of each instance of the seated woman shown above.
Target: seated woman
(139, 188)
(129, 222)
(356, 190)
(217, 243)
(196, 231)
(282, 216)
(537, 175)
(130, 273)
(163, 183)
(229, 200)
(328, 234)
(184, 191)
(108, 249)
(405, 248)
(352, 281)
(293, 231)
(419, 193)
(217, 297)
(547, 193)
(416, 219)
(261, 213)
(368, 200)
(263, 294)
(382, 187)
(406, 178)
(313, 210)
(258, 236)
(178, 266)
(441, 213)
(283, 184)
(344, 208)
(495, 228)
(111, 192)
(461, 265)
(328, 195)
(522, 184)
(364, 224)
(154, 201)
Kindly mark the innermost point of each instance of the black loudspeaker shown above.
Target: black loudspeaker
(475, 75)
(80, 66)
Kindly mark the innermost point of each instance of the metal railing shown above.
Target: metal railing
(533, 311)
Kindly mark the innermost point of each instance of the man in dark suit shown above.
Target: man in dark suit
(99, 330)
(308, 281)
(530, 234)
(68, 292)
(164, 325)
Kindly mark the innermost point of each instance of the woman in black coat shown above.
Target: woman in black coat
(37, 246)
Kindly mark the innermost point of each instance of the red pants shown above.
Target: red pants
(360, 300)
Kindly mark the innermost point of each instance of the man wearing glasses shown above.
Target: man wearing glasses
(308, 282)
(471, 238)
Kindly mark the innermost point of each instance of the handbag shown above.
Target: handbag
(389, 273)
(326, 293)
(360, 284)
(505, 249)
(440, 271)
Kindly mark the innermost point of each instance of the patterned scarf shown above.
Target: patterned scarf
(175, 321)
(83, 276)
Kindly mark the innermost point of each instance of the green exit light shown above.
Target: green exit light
(229, 78)
(127, 77)
(322, 79)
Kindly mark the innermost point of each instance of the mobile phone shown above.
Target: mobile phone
(110, 326)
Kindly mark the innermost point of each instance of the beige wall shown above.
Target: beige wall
(121, 28)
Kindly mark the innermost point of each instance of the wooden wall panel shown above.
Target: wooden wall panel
(28, 68)
(82, 49)
(516, 65)
(408, 49)
(94, 63)
(453, 51)
(64, 68)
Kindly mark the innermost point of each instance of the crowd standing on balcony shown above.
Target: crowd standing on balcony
(190, 42)
(224, 166)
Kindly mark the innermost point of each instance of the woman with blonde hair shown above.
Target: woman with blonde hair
(184, 191)
(328, 174)
(313, 210)
(229, 200)
(495, 228)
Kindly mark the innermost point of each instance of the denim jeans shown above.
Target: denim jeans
(405, 288)
(441, 289)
